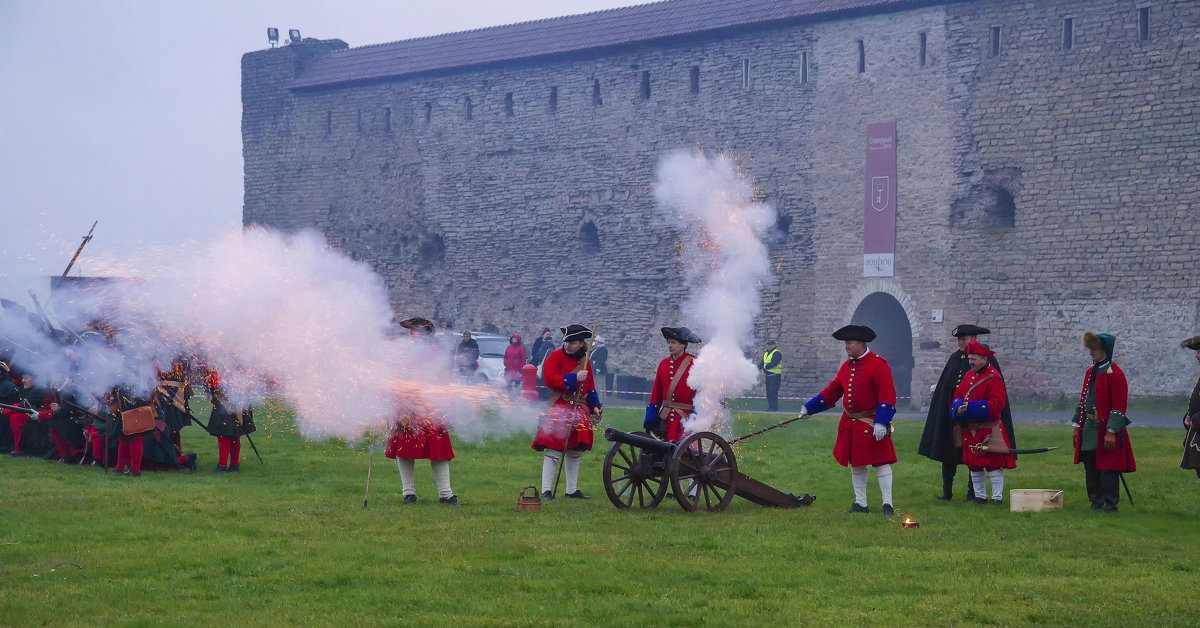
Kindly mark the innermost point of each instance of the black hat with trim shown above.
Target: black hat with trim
(969, 330)
(1192, 343)
(418, 323)
(682, 334)
(861, 333)
(571, 333)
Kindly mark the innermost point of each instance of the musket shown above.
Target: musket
(237, 426)
(87, 238)
(23, 409)
(370, 462)
(37, 305)
(561, 463)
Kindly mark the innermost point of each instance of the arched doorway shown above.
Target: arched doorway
(883, 313)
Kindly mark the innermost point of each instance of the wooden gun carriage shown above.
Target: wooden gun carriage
(700, 471)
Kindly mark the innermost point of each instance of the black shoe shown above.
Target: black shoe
(1097, 505)
(805, 499)
(888, 510)
(547, 495)
(235, 468)
(190, 461)
(578, 494)
(449, 501)
(134, 474)
(1109, 508)
(63, 460)
(998, 502)
(17, 454)
(945, 497)
(410, 499)
(857, 508)
(221, 469)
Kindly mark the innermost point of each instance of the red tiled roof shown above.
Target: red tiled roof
(573, 33)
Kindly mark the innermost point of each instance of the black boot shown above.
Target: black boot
(221, 469)
(235, 468)
(971, 490)
(948, 471)
(190, 461)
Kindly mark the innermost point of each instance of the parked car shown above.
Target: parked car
(491, 357)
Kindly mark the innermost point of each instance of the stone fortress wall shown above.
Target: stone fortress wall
(1044, 190)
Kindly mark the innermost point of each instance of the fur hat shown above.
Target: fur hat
(1192, 343)
(418, 323)
(1104, 342)
(861, 333)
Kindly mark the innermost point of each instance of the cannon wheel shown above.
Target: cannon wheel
(706, 459)
(631, 476)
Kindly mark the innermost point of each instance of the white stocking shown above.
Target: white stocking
(407, 473)
(883, 473)
(858, 475)
(978, 483)
(549, 468)
(572, 470)
(441, 475)
(997, 478)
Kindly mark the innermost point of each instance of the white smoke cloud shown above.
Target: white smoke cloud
(277, 316)
(726, 261)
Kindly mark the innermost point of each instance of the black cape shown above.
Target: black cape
(1191, 440)
(937, 441)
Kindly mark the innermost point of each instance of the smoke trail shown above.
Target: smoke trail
(726, 261)
(277, 316)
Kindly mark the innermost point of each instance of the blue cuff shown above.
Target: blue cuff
(593, 399)
(954, 410)
(651, 414)
(815, 405)
(884, 413)
(570, 382)
(977, 410)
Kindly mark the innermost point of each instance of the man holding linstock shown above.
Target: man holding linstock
(1101, 438)
(671, 397)
(565, 430)
(863, 437)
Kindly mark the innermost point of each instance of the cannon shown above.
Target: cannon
(700, 471)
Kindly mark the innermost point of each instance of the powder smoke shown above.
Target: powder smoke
(726, 261)
(277, 316)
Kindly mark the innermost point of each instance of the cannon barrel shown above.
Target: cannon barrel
(641, 442)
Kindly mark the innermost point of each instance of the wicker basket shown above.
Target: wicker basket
(526, 503)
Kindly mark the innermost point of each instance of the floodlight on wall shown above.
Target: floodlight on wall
(294, 36)
(273, 36)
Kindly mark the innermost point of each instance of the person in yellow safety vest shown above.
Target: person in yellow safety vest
(772, 368)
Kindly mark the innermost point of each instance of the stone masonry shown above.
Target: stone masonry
(1043, 192)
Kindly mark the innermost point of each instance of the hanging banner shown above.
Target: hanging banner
(879, 206)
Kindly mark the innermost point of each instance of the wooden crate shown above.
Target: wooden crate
(1035, 499)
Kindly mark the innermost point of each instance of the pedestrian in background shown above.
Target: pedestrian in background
(514, 359)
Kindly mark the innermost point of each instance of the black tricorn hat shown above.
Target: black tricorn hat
(682, 334)
(423, 324)
(571, 333)
(1192, 343)
(969, 330)
(861, 333)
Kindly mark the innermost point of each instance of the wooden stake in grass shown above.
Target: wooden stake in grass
(370, 461)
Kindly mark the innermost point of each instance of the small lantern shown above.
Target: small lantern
(910, 523)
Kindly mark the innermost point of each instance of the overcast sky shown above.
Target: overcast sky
(129, 111)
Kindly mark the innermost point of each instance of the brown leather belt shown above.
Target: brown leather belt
(861, 415)
(675, 405)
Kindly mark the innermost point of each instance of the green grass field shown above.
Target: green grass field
(289, 543)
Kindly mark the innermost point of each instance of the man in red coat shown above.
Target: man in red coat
(863, 437)
(566, 428)
(419, 434)
(671, 397)
(1101, 440)
(978, 403)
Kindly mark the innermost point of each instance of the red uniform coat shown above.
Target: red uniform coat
(1112, 394)
(866, 382)
(683, 393)
(567, 424)
(419, 437)
(992, 394)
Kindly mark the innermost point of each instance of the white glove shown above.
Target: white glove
(803, 413)
(880, 431)
(581, 376)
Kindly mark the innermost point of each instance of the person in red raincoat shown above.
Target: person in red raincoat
(671, 397)
(979, 401)
(565, 430)
(514, 359)
(863, 437)
(420, 434)
(1101, 439)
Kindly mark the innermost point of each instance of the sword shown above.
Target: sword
(1126, 485)
(982, 448)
